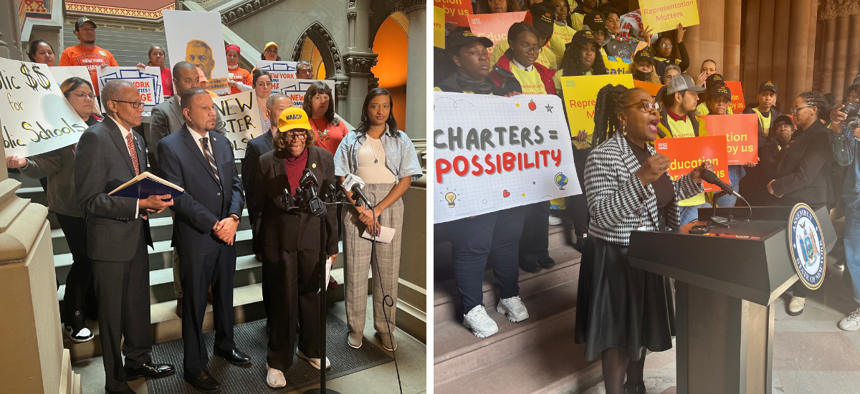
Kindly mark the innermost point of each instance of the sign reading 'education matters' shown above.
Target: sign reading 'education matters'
(741, 131)
(494, 26)
(688, 153)
(493, 153)
(35, 116)
(665, 15)
(241, 119)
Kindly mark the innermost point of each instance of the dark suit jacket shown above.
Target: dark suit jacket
(167, 118)
(204, 202)
(256, 147)
(102, 163)
(284, 230)
(804, 163)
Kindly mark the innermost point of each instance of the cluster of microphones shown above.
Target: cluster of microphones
(309, 197)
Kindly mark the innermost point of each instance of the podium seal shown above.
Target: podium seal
(808, 254)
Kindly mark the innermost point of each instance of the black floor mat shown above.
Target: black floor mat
(251, 338)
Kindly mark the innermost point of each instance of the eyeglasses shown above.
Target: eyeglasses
(796, 108)
(301, 135)
(527, 48)
(134, 104)
(645, 106)
(84, 95)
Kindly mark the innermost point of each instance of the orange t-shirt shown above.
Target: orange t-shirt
(240, 75)
(330, 136)
(92, 59)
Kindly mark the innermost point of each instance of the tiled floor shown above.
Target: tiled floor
(811, 354)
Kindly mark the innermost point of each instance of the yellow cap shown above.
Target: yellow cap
(293, 118)
(270, 43)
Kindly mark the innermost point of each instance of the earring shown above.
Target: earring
(624, 130)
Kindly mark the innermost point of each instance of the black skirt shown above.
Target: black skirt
(619, 306)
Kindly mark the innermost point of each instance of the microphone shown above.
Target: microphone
(353, 183)
(710, 177)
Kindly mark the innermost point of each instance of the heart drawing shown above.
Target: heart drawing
(506, 194)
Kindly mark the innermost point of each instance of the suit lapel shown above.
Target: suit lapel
(191, 144)
(280, 170)
(116, 136)
(633, 165)
(176, 109)
(269, 140)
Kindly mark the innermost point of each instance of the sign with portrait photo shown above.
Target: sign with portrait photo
(196, 37)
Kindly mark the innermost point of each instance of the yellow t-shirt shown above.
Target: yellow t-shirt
(765, 122)
(546, 57)
(529, 80)
(561, 36)
(684, 129)
(576, 19)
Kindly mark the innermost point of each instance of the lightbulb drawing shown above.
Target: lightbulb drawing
(450, 197)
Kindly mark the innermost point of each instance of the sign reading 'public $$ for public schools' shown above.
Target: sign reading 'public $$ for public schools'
(34, 114)
(493, 153)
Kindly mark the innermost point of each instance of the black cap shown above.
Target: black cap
(595, 21)
(781, 120)
(83, 20)
(643, 54)
(542, 17)
(583, 37)
(720, 90)
(767, 85)
(713, 80)
(460, 38)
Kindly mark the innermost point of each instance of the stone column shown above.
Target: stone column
(732, 41)
(359, 58)
(853, 51)
(416, 77)
(841, 58)
(712, 34)
(829, 55)
(798, 46)
(749, 54)
(779, 70)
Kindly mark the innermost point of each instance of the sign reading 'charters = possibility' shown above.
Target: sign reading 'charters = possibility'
(36, 117)
(665, 15)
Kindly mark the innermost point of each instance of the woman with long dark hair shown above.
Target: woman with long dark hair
(41, 52)
(385, 159)
(157, 57)
(59, 167)
(624, 311)
(319, 104)
(262, 83)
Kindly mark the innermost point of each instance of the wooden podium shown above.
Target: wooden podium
(724, 291)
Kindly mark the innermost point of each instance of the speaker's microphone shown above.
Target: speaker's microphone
(353, 183)
(710, 177)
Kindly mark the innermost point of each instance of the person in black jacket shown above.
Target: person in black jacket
(469, 53)
(754, 184)
(663, 52)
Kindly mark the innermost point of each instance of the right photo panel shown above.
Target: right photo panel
(646, 196)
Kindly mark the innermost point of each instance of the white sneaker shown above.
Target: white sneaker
(852, 322)
(315, 362)
(479, 322)
(275, 378)
(514, 308)
(83, 335)
(795, 307)
(554, 221)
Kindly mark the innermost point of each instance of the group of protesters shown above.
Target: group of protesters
(797, 163)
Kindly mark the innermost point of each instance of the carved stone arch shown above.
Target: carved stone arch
(326, 45)
(378, 18)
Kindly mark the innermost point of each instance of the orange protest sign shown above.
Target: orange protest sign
(652, 88)
(494, 26)
(738, 103)
(456, 11)
(688, 153)
(741, 133)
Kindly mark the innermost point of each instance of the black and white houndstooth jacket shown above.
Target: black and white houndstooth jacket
(617, 201)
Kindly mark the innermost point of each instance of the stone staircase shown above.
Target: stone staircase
(534, 356)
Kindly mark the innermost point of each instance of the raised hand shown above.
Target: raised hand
(653, 168)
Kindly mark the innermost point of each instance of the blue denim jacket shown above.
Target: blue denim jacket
(400, 156)
(845, 151)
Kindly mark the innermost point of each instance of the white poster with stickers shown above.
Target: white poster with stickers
(295, 89)
(241, 119)
(280, 71)
(197, 37)
(34, 114)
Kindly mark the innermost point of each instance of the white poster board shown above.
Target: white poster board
(147, 81)
(61, 74)
(280, 71)
(35, 116)
(295, 89)
(241, 119)
(492, 153)
(196, 37)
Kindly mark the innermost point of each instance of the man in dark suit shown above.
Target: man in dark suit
(207, 215)
(108, 155)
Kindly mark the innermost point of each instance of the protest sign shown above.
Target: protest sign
(36, 118)
(280, 71)
(147, 82)
(197, 37)
(493, 153)
(295, 89)
(61, 74)
(652, 88)
(620, 48)
(456, 11)
(687, 153)
(741, 133)
(242, 119)
(438, 27)
(616, 65)
(494, 26)
(738, 103)
(580, 94)
(665, 15)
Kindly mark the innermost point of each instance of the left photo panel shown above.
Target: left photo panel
(214, 196)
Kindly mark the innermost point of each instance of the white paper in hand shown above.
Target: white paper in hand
(386, 234)
(328, 263)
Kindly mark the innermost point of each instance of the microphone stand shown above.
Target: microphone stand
(727, 222)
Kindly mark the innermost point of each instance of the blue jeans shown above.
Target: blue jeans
(735, 175)
(852, 247)
(691, 213)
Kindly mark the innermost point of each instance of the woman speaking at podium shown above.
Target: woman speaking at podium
(622, 311)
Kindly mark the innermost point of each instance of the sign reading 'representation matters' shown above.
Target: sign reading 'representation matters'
(36, 118)
(241, 119)
(493, 153)
(665, 15)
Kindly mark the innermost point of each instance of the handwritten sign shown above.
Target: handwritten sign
(36, 118)
(580, 95)
(280, 71)
(688, 153)
(494, 26)
(456, 11)
(198, 38)
(147, 82)
(665, 15)
(494, 153)
(241, 117)
(438, 27)
(295, 89)
(61, 74)
(741, 133)
(738, 104)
